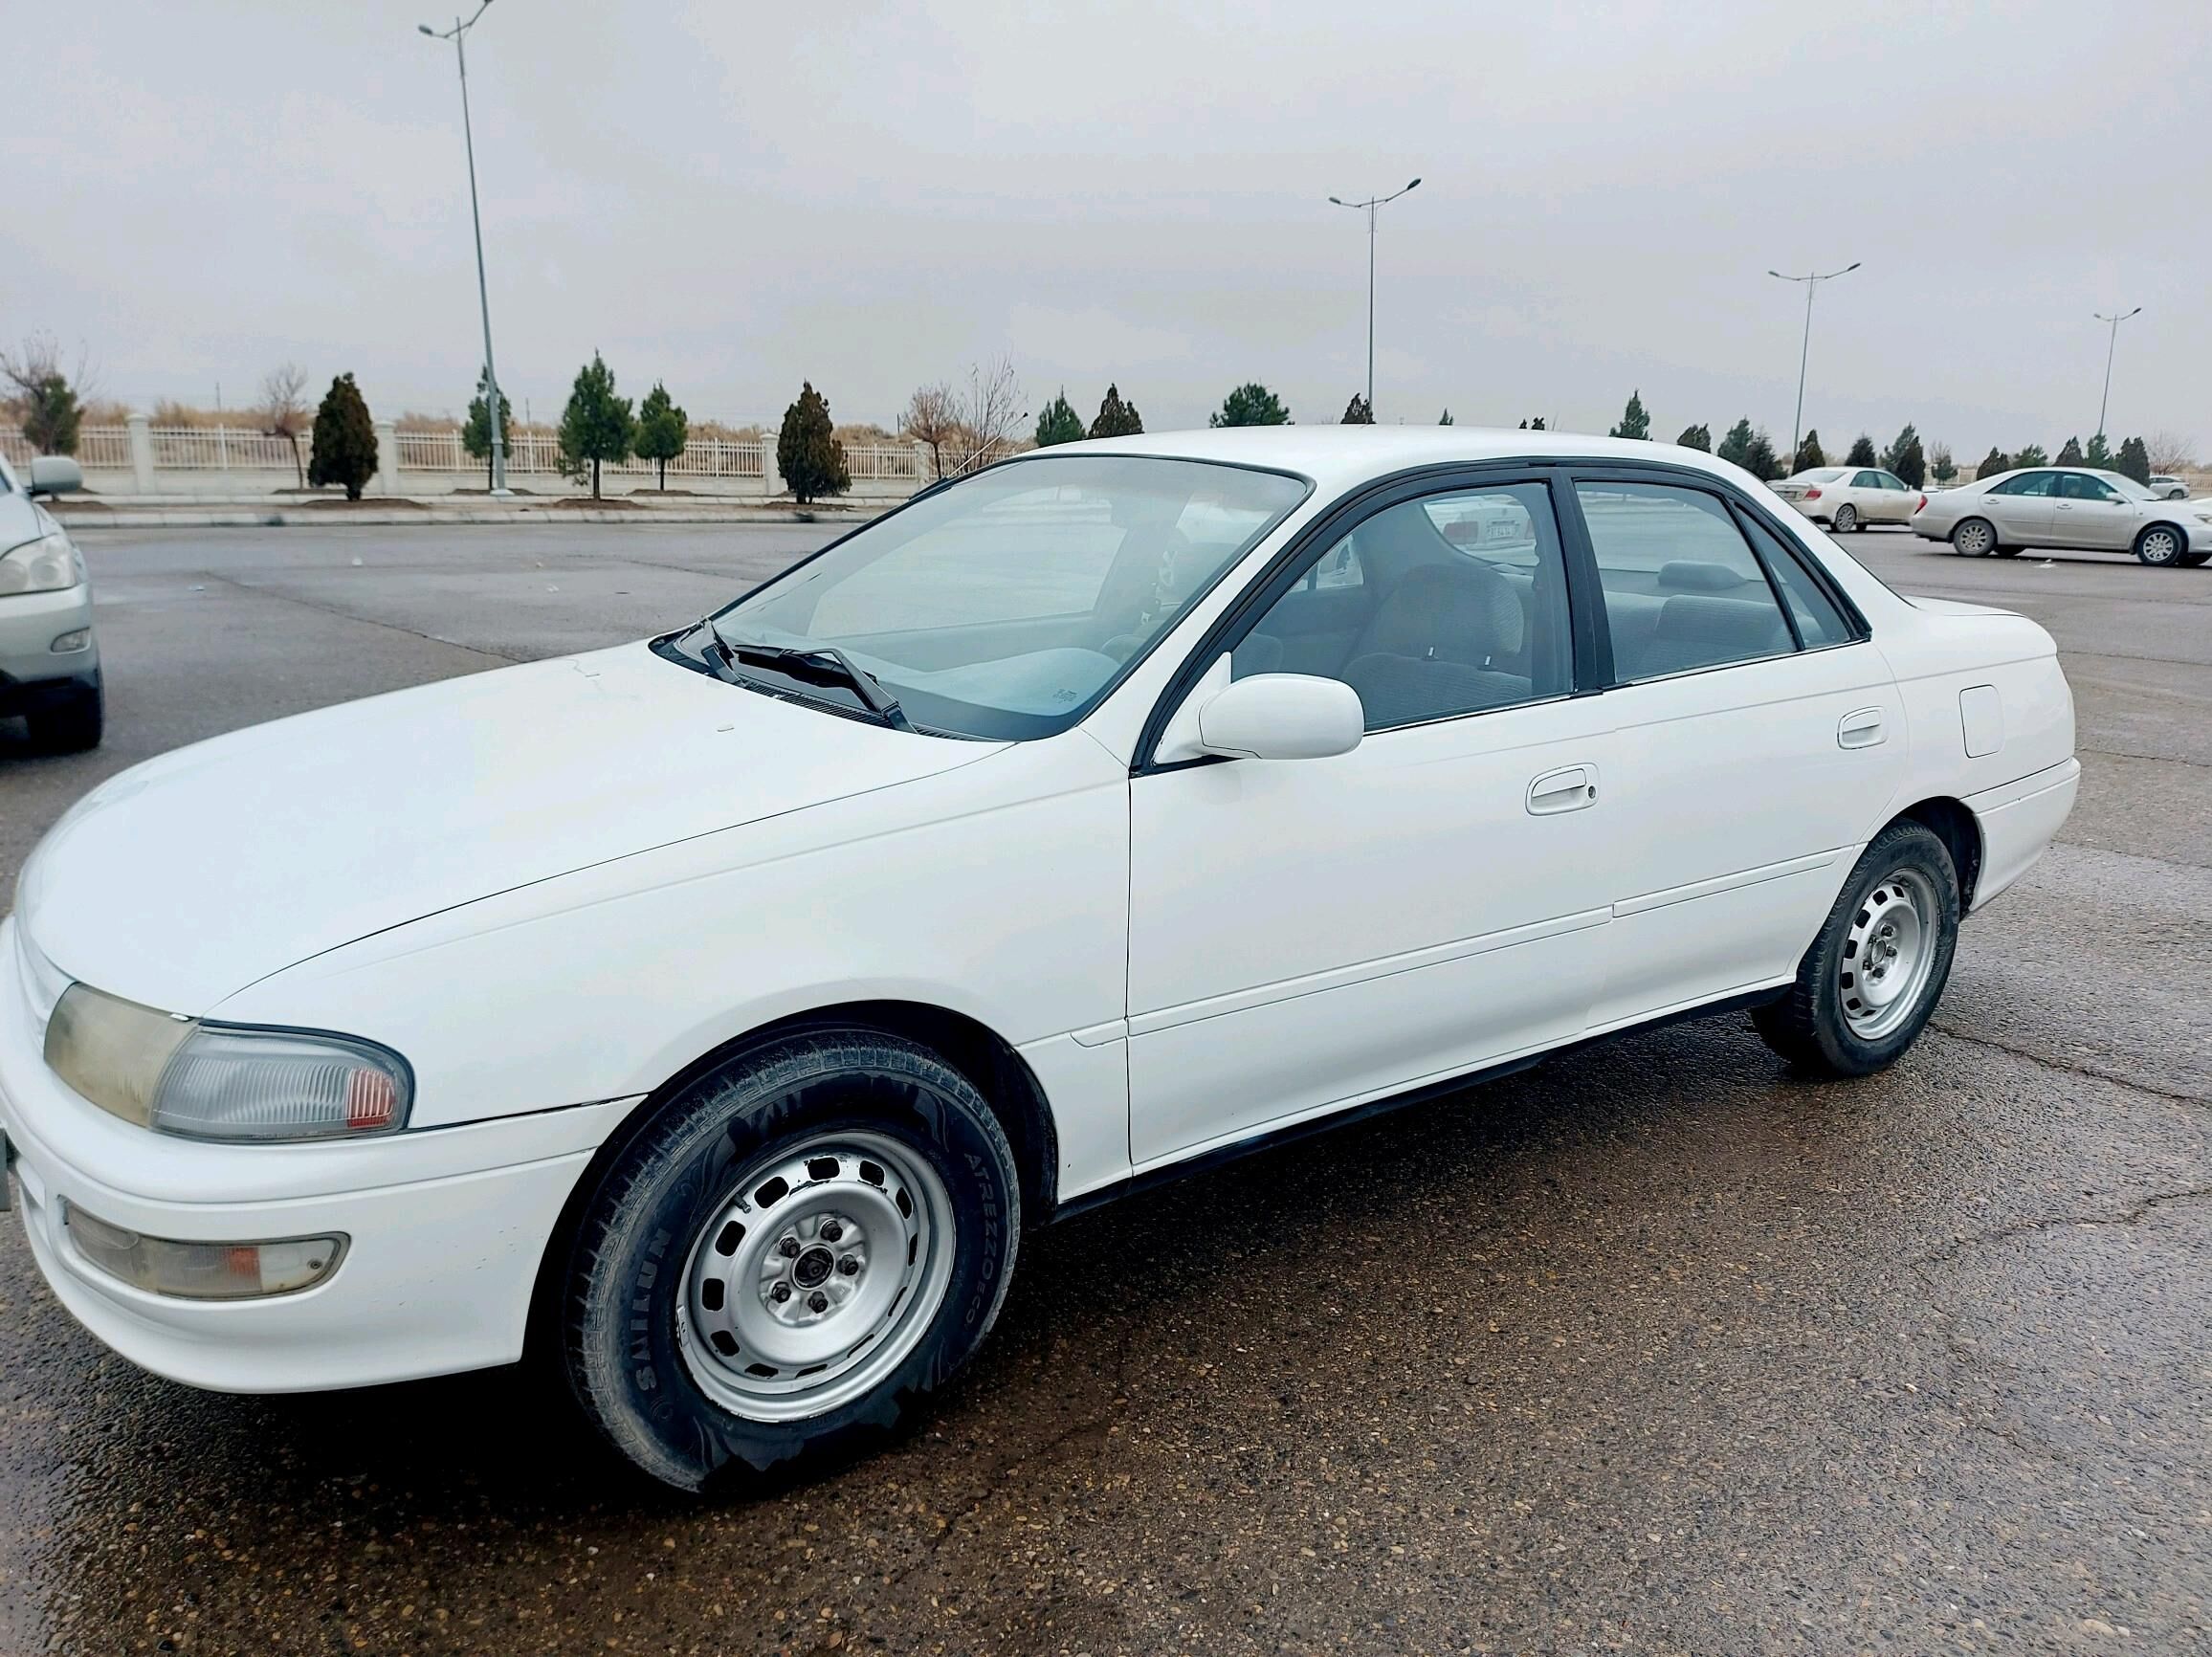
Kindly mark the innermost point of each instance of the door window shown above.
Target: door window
(2081, 486)
(2037, 483)
(1683, 590)
(1447, 605)
(1891, 480)
(1865, 480)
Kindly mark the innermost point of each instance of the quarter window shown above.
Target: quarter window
(1818, 620)
(1447, 605)
(1682, 588)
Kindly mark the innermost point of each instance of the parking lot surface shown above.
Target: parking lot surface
(1657, 1348)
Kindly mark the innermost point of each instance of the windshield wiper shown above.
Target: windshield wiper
(822, 663)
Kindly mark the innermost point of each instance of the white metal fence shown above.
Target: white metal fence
(202, 449)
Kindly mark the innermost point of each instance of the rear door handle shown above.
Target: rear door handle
(1860, 729)
(1571, 788)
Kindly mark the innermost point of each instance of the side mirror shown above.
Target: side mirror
(54, 474)
(1282, 716)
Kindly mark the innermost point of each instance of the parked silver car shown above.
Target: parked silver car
(2062, 507)
(49, 659)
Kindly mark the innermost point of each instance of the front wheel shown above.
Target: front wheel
(795, 1251)
(1974, 537)
(2161, 546)
(1873, 977)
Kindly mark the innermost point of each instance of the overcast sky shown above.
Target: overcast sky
(733, 196)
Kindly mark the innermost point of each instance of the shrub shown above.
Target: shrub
(345, 451)
(1117, 418)
(1940, 466)
(1059, 423)
(663, 429)
(476, 428)
(1634, 422)
(808, 452)
(1905, 458)
(1251, 404)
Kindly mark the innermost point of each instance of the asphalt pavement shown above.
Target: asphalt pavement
(1657, 1348)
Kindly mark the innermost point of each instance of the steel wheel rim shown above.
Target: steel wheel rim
(816, 1277)
(1888, 954)
(1975, 539)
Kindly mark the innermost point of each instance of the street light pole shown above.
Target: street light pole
(2111, 346)
(1812, 281)
(1371, 207)
(458, 34)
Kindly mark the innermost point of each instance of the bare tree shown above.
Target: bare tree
(2171, 451)
(283, 412)
(968, 428)
(932, 419)
(992, 413)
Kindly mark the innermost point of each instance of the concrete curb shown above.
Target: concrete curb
(245, 515)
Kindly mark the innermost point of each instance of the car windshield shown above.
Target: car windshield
(2127, 485)
(1005, 606)
(6, 477)
(1819, 475)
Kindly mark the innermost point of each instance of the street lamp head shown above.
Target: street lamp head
(1849, 267)
(1339, 200)
(425, 29)
(1415, 182)
(1775, 272)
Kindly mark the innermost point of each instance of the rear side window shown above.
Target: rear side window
(1682, 588)
(1818, 620)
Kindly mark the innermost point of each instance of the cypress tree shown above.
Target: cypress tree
(1059, 423)
(1738, 443)
(1634, 422)
(2069, 453)
(1697, 437)
(1994, 462)
(1808, 454)
(1863, 453)
(1357, 412)
(1251, 404)
(2135, 460)
(597, 426)
(1117, 418)
(811, 459)
(345, 440)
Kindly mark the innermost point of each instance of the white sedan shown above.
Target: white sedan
(724, 1008)
(2064, 507)
(1848, 497)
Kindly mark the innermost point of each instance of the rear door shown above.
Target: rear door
(1758, 736)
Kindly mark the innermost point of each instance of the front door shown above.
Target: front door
(1307, 935)
(2088, 512)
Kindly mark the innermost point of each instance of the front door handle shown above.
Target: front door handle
(1860, 729)
(1571, 788)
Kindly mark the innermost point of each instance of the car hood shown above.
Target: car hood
(183, 880)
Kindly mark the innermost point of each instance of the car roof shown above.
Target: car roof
(1341, 456)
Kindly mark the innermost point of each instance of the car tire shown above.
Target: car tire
(1873, 977)
(2161, 546)
(798, 1248)
(1974, 537)
(72, 724)
(1847, 518)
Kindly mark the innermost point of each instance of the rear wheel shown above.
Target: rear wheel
(1873, 977)
(798, 1250)
(71, 722)
(2161, 546)
(1974, 537)
(1847, 518)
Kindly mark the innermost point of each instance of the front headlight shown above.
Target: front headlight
(210, 1081)
(46, 564)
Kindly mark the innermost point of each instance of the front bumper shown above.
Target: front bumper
(29, 663)
(447, 1230)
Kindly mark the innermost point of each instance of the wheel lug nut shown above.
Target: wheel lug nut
(818, 1301)
(849, 1266)
(831, 1231)
(780, 1293)
(788, 1247)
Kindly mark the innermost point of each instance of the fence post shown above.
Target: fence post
(141, 454)
(771, 475)
(386, 457)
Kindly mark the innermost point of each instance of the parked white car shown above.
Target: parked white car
(1848, 497)
(731, 1002)
(2167, 487)
(2067, 507)
(49, 654)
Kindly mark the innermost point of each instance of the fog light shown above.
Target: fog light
(203, 1271)
(70, 641)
